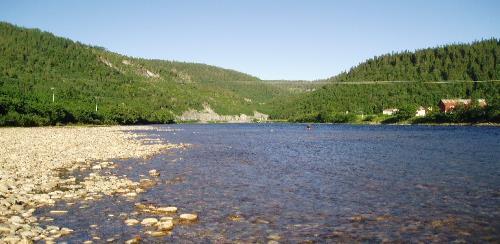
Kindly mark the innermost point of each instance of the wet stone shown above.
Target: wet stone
(131, 222)
(149, 221)
(188, 217)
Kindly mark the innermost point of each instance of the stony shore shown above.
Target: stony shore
(31, 162)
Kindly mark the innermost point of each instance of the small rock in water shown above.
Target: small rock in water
(274, 237)
(149, 221)
(165, 219)
(188, 217)
(235, 217)
(154, 173)
(134, 240)
(58, 211)
(66, 231)
(163, 226)
(157, 233)
(167, 209)
(131, 222)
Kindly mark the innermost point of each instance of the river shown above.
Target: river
(332, 183)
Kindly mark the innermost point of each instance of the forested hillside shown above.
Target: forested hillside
(372, 98)
(477, 61)
(46, 80)
(357, 93)
(35, 64)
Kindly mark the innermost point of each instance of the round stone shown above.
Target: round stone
(131, 222)
(154, 173)
(188, 217)
(164, 226)
(149, 221)
(167, 209)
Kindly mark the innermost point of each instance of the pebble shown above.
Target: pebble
(163, 226)
(66, 231)
(188, 217)
(165, 219)
(96, 167)
(275, 237)
(149, 221)
(4, 228)
(131, 222)
(167, 209)
(158, 233)
(154, 173)
(58, 211)
(31, 173)
(134, 240)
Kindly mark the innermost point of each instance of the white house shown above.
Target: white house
(390, 111)
(420, 112)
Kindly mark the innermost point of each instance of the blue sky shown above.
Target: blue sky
(271, 39)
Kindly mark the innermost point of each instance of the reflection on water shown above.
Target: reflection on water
(261, 182)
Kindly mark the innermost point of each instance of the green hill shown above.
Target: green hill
(412, 73)
(477, 61)
(34, 65)
(127, 90)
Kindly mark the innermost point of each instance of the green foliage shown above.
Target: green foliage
(477, 61)
(137, 91)
(127, 90)
(373, 98)
(350, 92)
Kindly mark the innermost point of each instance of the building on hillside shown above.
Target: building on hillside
(390, 111)
(421, 111)
(447, 105)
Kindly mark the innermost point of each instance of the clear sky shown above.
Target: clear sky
(271, 39)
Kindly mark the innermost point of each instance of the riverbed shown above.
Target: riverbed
(286, 183)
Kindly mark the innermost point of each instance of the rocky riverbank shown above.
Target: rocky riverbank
(32, 161)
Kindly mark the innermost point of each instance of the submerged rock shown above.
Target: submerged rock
(131, 222)
(149, 221)
(154, 173)
(58, 211)
(158, 233)
(170, 209)
(164, 226)
(188, 217)
(134, 240)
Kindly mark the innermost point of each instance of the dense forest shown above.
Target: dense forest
(338, 99)
(48, 80)
(405, 80)
(477, 61)
(35, 64)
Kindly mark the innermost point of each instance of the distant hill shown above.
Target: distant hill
(126, 90)
(477, 61)
(34, 65)
(413, 76)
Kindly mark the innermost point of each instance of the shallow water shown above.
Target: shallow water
(253, 182)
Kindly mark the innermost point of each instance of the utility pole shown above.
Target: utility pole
(53, 95)
(96, 104)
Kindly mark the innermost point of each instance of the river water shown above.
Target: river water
(333, 183)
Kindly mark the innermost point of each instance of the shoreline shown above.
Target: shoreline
(31, 161)
(354, 123)
(266, 122)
